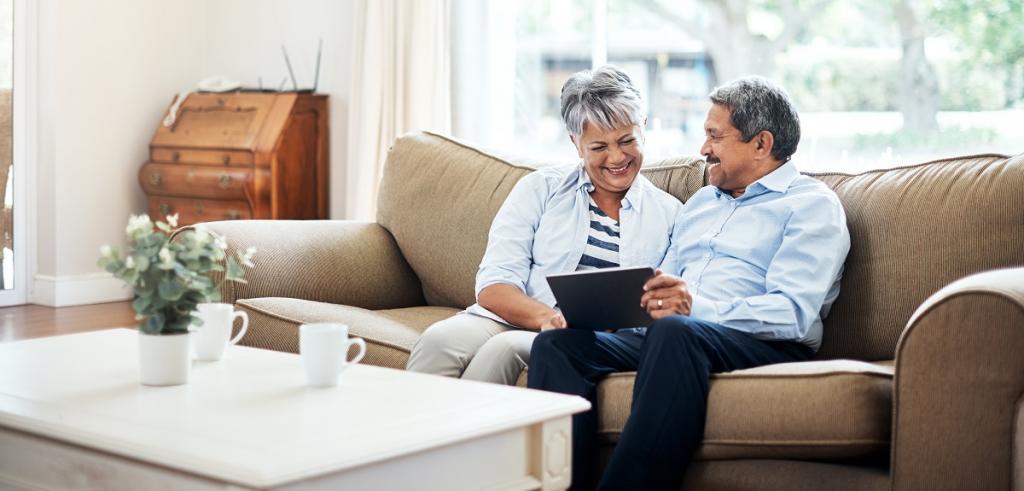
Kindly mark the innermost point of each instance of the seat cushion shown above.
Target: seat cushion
(389, 334)
(834, 409)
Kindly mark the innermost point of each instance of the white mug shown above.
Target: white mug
(211, 338)
(324, 348)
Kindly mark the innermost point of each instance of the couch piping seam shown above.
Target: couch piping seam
(914, 166)
(288, 319)
(751, 376)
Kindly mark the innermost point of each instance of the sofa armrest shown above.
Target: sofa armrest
(334, 261)
(958, 405)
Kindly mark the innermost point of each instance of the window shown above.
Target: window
(878, 84)
(6, 144)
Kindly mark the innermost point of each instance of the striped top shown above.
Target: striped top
(602, 249)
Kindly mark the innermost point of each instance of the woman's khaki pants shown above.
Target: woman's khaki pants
(474, 348)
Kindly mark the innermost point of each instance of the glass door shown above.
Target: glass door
(12, 270)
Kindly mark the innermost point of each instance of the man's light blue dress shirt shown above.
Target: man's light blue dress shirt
(767, 263)
(542, 229)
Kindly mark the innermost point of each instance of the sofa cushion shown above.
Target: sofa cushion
(439, 194)
(914, 230)
(389, 334)
(834, 409)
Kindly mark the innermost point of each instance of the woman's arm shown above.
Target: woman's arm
(519, 309)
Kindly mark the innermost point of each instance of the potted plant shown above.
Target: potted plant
(169, 279)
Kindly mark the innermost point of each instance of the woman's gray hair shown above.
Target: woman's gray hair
(758, 105)
(605, 97)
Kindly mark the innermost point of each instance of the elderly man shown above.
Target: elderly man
(758, 253)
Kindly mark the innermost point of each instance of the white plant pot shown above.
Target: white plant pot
(164, 359)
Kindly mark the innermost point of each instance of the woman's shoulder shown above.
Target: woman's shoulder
(550, 178)
(660, 197)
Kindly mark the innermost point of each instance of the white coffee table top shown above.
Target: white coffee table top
(248, 419)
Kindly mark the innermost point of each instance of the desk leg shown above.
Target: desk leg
(552, 453)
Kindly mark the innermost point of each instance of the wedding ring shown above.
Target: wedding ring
(659, 303)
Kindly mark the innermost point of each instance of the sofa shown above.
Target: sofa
(919, 383)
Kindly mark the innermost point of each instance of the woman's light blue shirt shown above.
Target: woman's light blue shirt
(542, 229)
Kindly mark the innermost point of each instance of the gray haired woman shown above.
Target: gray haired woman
(598, 213)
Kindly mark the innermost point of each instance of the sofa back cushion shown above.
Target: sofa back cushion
(912, 231)
(438, 197)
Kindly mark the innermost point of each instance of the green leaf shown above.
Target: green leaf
(235, 271)
(170, 290)
(141, 302)
(154, 324)
(141, 262)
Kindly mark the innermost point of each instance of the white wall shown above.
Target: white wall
(244, 39)
(107, 71)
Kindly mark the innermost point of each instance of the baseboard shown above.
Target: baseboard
(62, 291)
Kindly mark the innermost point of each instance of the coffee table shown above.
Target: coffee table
(73, 415)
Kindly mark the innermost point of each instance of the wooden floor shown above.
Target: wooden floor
(35, 321)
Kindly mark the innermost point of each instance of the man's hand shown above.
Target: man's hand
(666, 295)
(556, 321)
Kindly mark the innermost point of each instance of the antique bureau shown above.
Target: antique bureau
(240, 155)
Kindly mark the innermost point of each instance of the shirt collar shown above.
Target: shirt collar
(777, 180)
(633, 198)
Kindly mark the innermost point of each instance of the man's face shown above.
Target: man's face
(732, 163)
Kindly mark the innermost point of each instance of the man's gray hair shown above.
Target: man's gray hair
(605, 97)
(758, 105)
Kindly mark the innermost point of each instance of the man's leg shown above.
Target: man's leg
(670, 396)
(572, 361)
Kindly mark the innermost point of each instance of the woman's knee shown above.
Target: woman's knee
(447, 346)
(516, 343)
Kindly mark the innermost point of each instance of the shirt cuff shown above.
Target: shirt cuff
(704, 309)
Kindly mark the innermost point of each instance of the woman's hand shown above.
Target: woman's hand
(666, 295)
(556, 321)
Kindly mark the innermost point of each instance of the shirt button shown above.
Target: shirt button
(707, 255)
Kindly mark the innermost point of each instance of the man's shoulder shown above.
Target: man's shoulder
(811, 189)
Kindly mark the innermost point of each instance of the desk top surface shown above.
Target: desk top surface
(249, 418)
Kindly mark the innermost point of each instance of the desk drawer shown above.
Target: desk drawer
(198, 210)
(195, 181)
(202, 157)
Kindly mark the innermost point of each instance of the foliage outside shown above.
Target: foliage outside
(171, 277)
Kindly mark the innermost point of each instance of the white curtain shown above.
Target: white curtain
(400, 83)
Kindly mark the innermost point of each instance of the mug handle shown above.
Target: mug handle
(362, 351)
(245, 325)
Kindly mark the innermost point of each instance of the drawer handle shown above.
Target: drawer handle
(165, 209)
(155, 178)
(224, 181)
(198, 207)
(227, 159)
(176, 156)
(233, 215)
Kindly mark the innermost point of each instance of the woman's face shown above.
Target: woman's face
(612, 158)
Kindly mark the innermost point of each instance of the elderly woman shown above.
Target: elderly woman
(596, 214)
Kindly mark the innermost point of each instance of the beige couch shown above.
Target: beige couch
(918, 384)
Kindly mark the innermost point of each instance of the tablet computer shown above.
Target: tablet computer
(602, 299)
